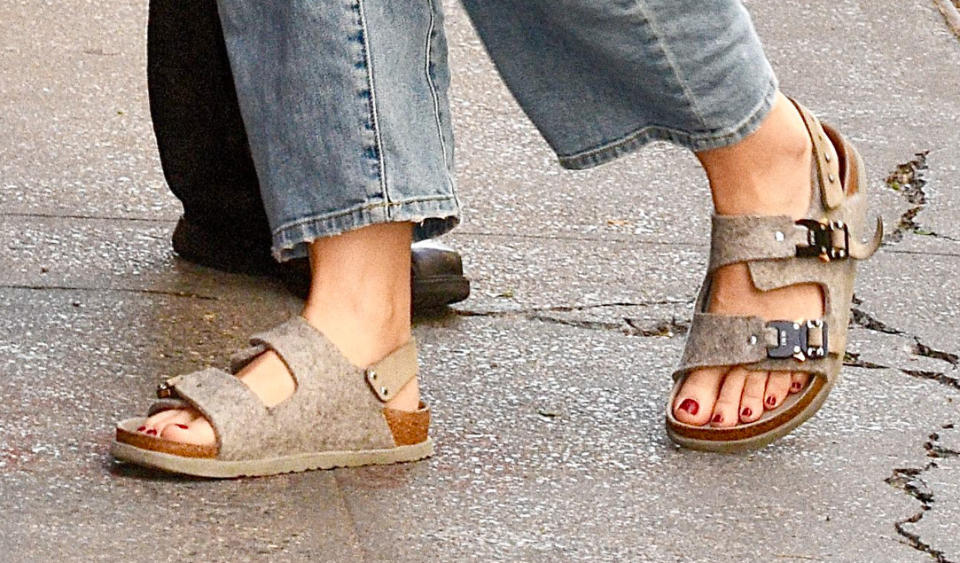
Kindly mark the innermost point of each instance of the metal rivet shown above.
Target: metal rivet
(796, 349)
(796, 326)
(779, 236)
(384, 391)
(372, 374)
(832, 178)
(753, 339)
(827, 157)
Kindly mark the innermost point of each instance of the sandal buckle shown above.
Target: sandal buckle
(801, 341)
(165, 390)
(827, 241)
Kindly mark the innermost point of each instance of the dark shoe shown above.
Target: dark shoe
(436, 272)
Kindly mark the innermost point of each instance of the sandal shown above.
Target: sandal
(335, 418)
(782, 252)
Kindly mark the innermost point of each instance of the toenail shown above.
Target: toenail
(746, 413)
(771, 400)
(141, 429)
(182, 426)
(152, 432)
(796, 385)
(690, 406)
(717, 418)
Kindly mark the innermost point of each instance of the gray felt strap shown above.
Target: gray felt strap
(743, 238)
(724, 340)
(827, 168)
(230, 406)
(718, 340)
(167, 405)
(301, 346)
(389, 375)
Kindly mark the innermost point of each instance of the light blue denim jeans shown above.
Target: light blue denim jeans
(345, 103)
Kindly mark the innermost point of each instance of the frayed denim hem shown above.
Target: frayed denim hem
(431, 217)
(696, 142)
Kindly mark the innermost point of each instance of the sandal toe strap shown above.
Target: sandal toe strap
(726, 340)
(233, 410)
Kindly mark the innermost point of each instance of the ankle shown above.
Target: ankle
(767, 173)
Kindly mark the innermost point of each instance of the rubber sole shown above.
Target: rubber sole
(224, 469)
(438, 291)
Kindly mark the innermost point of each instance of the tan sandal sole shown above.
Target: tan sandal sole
(222, 469)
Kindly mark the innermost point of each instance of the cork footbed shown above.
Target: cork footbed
(407, 428)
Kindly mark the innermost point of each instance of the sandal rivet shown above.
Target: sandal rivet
(796, 349)
(832, 178)
(796, 326)
(753, 339)
(384, 391)
(372, 374)
(827, 157)
(779, 236)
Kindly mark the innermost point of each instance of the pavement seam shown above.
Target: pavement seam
(168, 293)
(627, 326)
(26, 215)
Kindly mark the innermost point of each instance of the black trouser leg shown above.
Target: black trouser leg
(196, 118)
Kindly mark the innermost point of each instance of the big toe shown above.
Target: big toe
(697, 396)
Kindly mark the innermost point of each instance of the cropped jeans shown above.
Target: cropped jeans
(345, 102)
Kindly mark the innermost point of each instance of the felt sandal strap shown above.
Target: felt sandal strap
(301, 347)
(827, 167)
(233, 410)
(392, 373)
(725, 340)
(743, 238)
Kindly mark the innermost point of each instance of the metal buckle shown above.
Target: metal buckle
(165, 390)
(820, 240)
(793, 340)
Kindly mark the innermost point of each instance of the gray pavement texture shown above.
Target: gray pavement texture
(548, 385)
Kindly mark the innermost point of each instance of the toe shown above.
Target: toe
(695, 400)
(778, 385)
(179, 417)
(198, 431)
(726, 409)
(751, 403)
(798, 381)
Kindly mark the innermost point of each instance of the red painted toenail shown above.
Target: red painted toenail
(746, 412)
(141, 429)
(771, 400)
(183, 426)
(717, 418)
(690, 406)
(152, 432)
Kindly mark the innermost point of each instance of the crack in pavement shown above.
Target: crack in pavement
(628, 326)
(909, 180)
(910, 480)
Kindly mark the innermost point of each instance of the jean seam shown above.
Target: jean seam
(356, 208)
(687, 95)
(374, 114)
(433, 88)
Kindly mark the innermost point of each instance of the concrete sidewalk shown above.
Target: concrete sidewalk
(548, 385)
